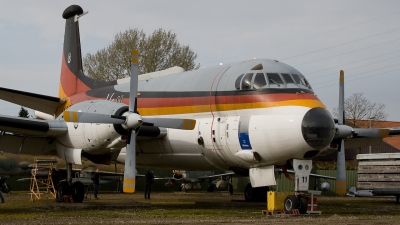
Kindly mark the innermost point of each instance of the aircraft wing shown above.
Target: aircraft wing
(27, 126)
(43, 103)
(216, 176)
(29, 136)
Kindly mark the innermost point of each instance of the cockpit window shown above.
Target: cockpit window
(259, 81)
(296, 78)
(237, 82)
(274, 78)
(303, 81)
(246, 82)
(287, 78)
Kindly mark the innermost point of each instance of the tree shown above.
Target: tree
(23, 113)
(158, 51)
(359, 110)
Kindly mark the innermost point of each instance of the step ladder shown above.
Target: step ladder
(41, 181)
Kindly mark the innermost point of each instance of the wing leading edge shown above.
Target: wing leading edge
(43, 103)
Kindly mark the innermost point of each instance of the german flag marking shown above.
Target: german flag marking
(150, 111)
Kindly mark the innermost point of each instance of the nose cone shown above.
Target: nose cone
(318, 128)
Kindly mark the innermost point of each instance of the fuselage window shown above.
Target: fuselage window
(274, 78)
(287, 78)
(237, 82)
(246, 82)
(296, 78)
(259, 81)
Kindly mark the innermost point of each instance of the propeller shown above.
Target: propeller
(130, 120)
(353, 137)
(83, 117)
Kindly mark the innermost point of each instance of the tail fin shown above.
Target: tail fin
(72, 79)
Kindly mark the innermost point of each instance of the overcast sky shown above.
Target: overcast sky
(318, 38)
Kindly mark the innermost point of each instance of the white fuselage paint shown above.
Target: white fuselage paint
(274, 133)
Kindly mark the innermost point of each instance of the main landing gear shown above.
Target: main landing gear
(293, 202)
(299, 201)
(67, 189)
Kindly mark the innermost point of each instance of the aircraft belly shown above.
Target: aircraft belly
(187, 151)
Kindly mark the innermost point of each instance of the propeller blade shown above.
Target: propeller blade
(183, 124)
(134, 80)
(130, 165)
(341, 170)
(135, 119)
(341, 119)
(378, 133)
(341, 159)
(82, 117)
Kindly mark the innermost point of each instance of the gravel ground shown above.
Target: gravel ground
(191, 207)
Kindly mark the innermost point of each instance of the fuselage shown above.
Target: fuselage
(248, 114)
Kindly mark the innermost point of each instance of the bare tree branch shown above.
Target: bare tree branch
(359, 109)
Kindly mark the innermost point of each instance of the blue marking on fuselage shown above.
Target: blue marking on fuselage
(244, 141)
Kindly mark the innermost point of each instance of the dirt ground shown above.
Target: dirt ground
(190, 207)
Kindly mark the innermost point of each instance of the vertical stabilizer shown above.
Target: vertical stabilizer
(72, 79)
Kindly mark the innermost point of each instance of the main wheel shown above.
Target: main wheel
(62, 189)
(303, 204)
(78, 191)
(291, 203)
(249, 193)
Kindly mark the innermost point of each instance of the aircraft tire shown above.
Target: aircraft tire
(62, 189)
(291, 202)
(78, 191)
(249, 193)
(303, 204)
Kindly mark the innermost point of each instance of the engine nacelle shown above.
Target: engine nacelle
(94, 138)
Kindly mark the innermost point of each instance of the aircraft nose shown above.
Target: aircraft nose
(318, 128)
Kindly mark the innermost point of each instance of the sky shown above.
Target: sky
(318, 38)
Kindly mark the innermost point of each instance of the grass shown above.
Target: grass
(192, 207)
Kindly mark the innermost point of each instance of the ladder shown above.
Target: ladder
(41, 181)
